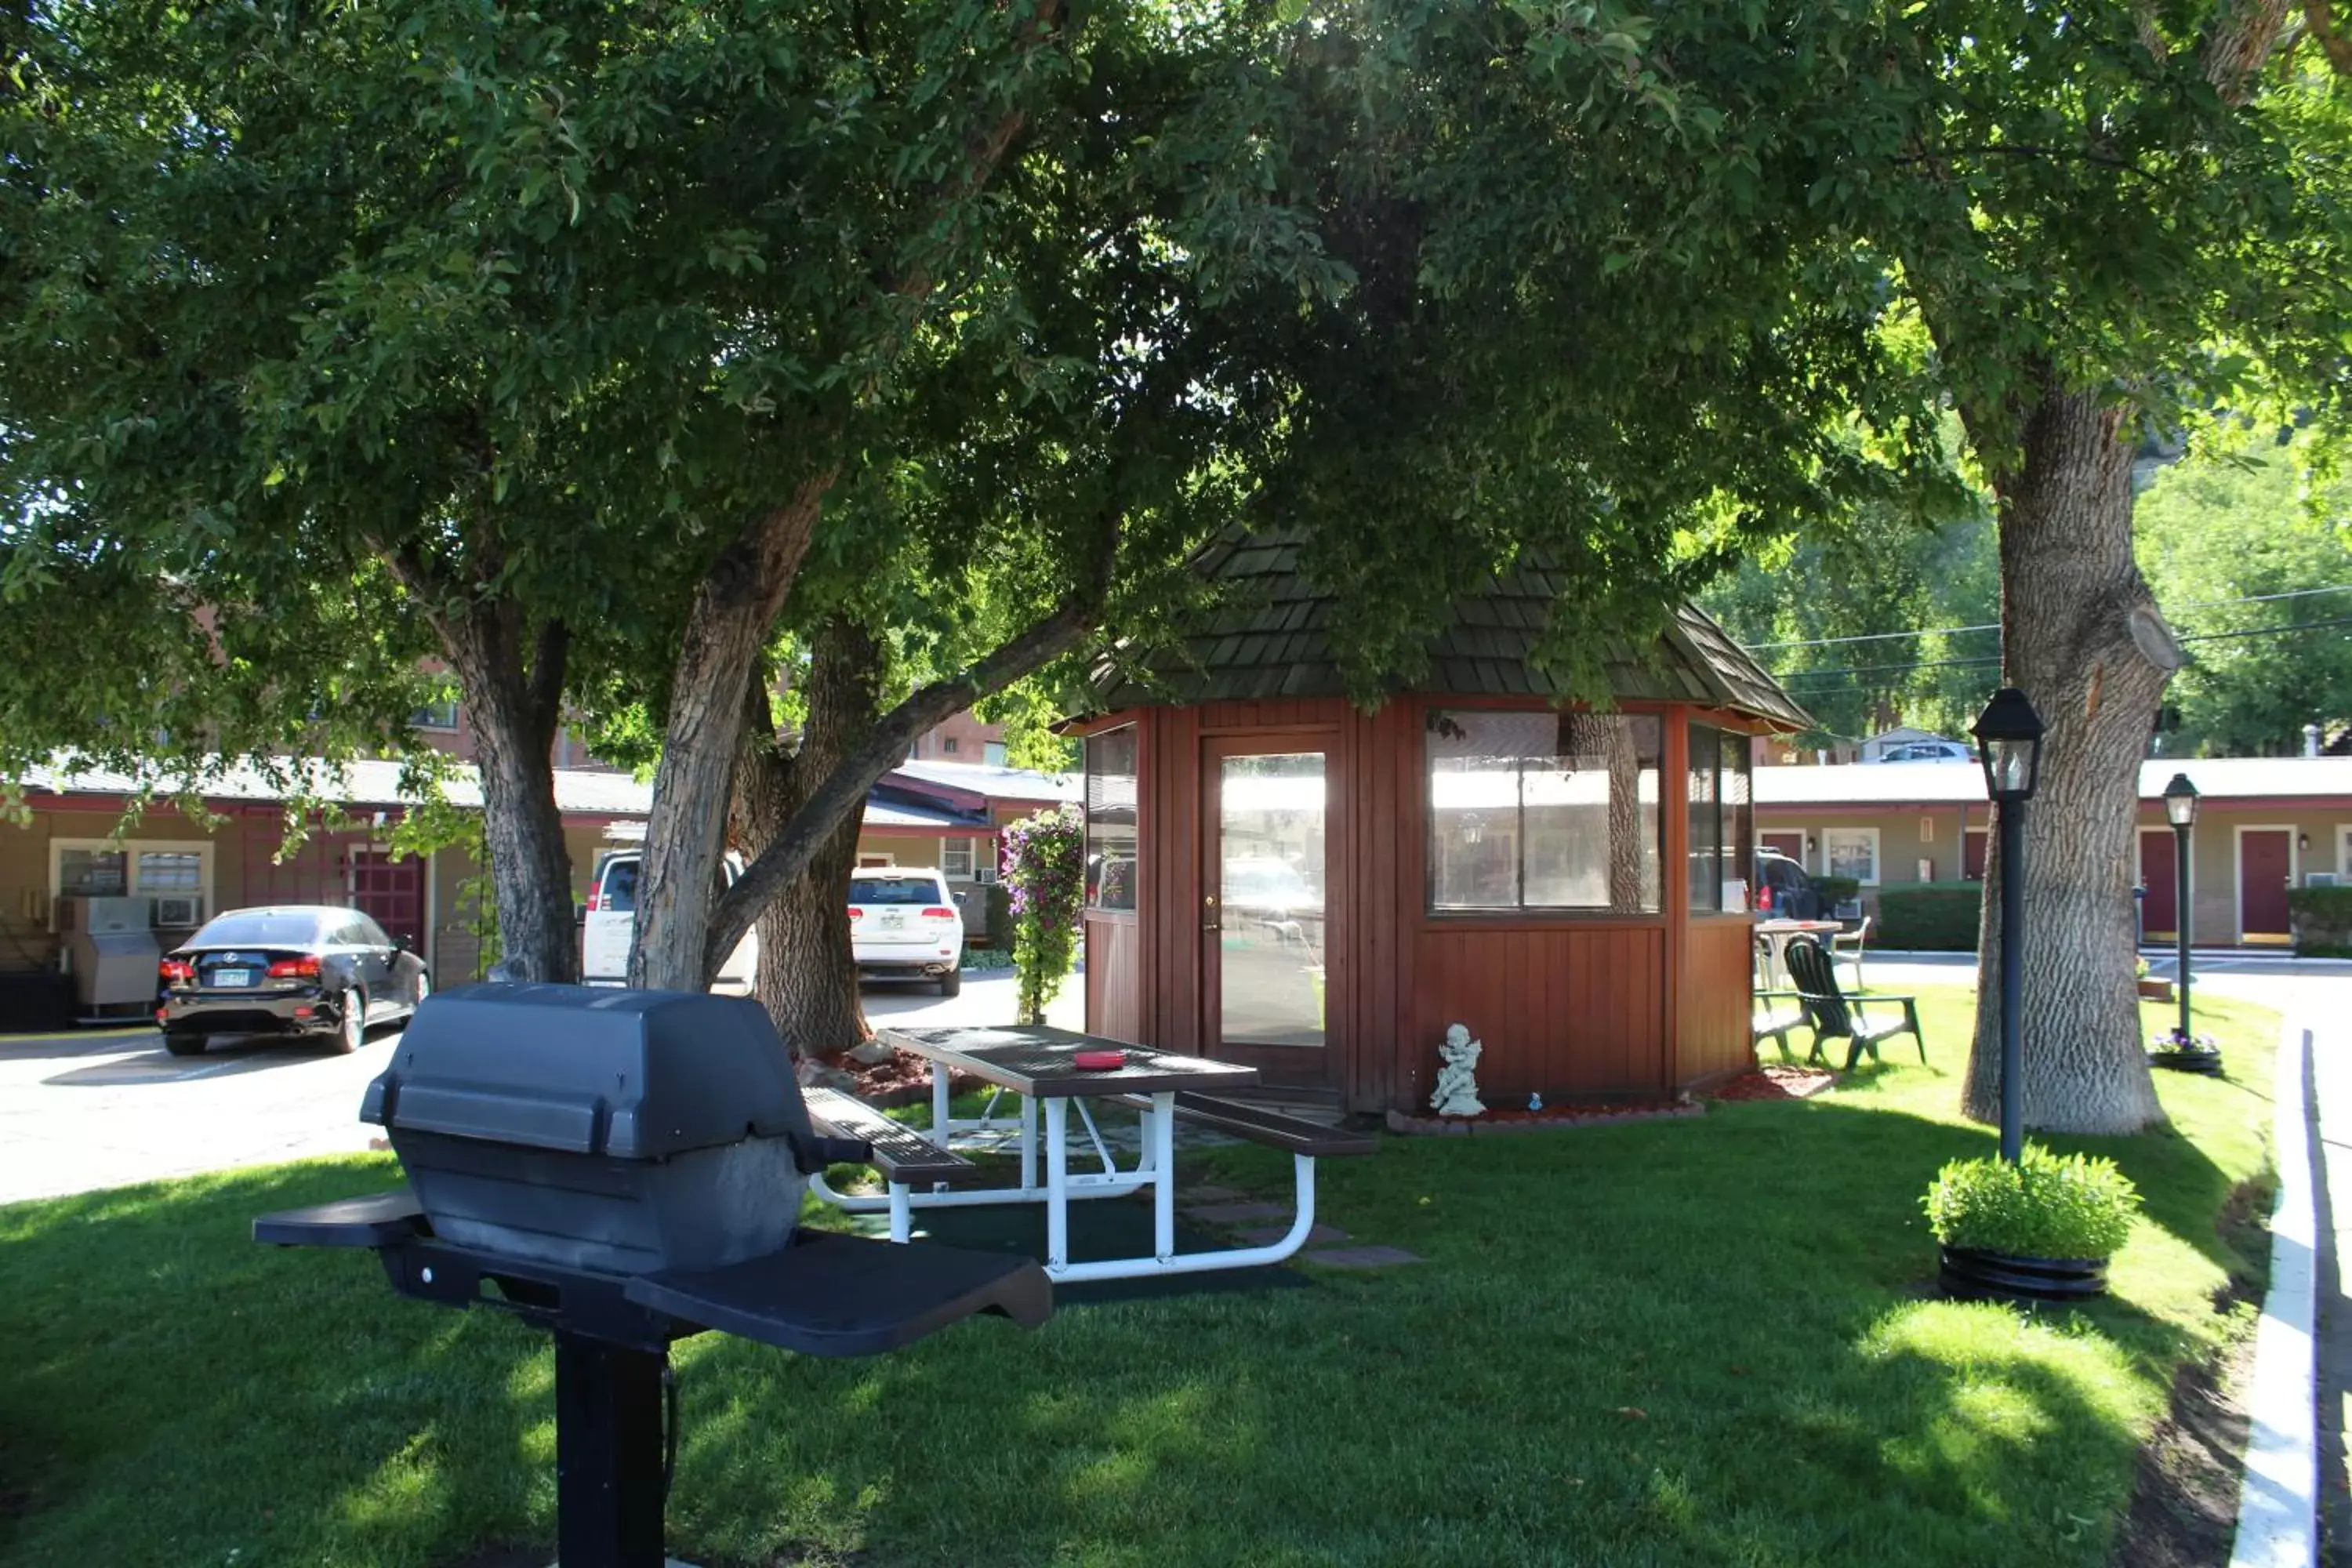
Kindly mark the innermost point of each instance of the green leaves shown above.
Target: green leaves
(2046, 1205)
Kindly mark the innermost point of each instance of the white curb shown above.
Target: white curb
(2278, 1502)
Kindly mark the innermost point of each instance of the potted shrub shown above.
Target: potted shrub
(2040, 1230)
(2153, 990)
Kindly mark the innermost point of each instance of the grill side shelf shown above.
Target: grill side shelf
(850, 1296)
(382, 1219)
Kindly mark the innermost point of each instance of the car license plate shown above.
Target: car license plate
(892, 920)
(232, 977)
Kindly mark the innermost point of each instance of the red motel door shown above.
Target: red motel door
(2159, 874)
(392, 893)
(2263, 857)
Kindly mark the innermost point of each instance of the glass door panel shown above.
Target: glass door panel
(1267, 866)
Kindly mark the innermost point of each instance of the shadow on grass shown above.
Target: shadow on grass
(1686, 1341)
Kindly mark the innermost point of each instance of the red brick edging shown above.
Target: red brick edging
(1464, 1126)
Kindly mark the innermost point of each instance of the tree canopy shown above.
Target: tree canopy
(590, 337)
(2249, 548)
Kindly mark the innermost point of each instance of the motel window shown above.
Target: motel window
(1722, 821)
(955, 860)
(1851, 852)
(439, 715)
(93, 869)
(1111, 758)
(1543, 811)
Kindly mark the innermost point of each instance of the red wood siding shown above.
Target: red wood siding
(1114, 954)
(1562, 1012)
(1566, 1006)
(1716, 1004)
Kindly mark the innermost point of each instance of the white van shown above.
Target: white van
(611, 924)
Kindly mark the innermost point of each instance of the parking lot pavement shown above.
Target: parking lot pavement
(99, 1109)
(102, 1109)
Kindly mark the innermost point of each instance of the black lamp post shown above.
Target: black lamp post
(2181, 810)
(2009, 745)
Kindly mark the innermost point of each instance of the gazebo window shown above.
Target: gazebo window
(1543, 811)
(1111, 819)
(1722, 821)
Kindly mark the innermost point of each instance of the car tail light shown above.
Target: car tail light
(592, 892)
(856, 913)
(174, 969)
(935, 913)
(303, 968)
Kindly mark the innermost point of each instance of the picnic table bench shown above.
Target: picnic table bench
(903, 1154)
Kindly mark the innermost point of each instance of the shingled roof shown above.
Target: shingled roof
(1266, 641)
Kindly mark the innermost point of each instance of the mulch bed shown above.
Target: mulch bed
(904, 1079)
(1774, 1083)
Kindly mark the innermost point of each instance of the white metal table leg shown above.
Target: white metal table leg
(1058, 1183)
(1028, 1144)
(941, 1082)
(1161, 1136)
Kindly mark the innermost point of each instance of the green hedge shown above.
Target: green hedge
(1930, 917)
(1836, 890)
(2322, 918)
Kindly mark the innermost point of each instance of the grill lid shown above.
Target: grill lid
(634, 1075)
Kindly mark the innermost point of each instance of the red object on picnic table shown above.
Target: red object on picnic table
(1098, 1061)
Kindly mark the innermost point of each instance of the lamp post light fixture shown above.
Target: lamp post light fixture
(2009, 746)
(2181, 810)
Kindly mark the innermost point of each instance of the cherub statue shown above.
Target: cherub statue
(1456, 1093)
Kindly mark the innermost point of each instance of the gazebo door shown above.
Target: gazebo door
(1266, 905)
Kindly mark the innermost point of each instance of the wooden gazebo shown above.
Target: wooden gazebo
(1278, 877)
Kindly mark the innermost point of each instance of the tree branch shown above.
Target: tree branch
(844, 790)
(545, 691)
(2336, 41)
(2232, 53)
(2023, 150)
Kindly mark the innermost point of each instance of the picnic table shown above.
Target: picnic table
(1036, 1063)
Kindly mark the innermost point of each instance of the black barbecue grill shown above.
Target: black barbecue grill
(624, 1168)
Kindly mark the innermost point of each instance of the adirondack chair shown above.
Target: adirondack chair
(1837, 1016)
(1780, 1011)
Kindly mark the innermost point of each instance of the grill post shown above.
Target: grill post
(608, 1454)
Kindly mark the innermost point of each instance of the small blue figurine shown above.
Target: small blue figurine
(1535, 1102)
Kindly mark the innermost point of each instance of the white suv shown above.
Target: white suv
(904, 926)
(611, 924)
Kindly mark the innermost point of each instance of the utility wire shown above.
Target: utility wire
(1995, 626)
(1840, 673)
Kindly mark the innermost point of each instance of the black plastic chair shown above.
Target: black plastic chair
(1837, 1016)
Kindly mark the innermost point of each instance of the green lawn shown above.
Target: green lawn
(1693, 1341)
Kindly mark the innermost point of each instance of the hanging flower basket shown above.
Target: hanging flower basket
(2177, 1052)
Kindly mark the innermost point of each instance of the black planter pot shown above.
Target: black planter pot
(2207, 1064)
(1972, 1275)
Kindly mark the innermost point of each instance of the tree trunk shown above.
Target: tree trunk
(513, 710)
(879, 747)
(807, 975)
(2083, 639)
(734, 607)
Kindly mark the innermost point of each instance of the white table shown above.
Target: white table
(1035, 1064)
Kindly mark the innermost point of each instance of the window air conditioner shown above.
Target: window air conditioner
(2319, 879)
(179, 909)
(983, 870)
